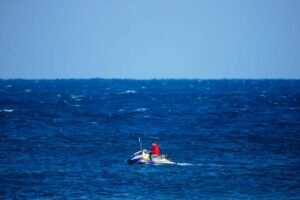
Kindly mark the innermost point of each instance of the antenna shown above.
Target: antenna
(140, 144)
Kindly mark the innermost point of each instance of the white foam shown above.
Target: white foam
(128, 92)
(28, 90)
(141, 109)
(8, 86)
(76, 96)
(7, 110)
(184, 164)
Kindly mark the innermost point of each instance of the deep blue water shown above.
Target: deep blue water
(69, 139)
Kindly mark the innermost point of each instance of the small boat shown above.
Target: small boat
(143, 157)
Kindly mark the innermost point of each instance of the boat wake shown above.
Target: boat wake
(184, 164)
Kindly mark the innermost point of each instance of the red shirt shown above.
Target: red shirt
(155, 149)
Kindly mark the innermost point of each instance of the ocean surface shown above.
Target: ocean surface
(70, 139)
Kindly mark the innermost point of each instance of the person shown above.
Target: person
(154, 152)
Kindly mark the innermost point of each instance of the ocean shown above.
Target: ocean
(70, 139)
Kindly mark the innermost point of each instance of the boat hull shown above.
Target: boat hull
(142, 157)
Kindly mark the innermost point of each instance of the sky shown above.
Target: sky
(145, 39)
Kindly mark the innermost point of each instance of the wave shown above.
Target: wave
(7, 110)
(76, 96)
(128, 92)
(141, 109)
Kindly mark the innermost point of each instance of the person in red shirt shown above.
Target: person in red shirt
(154, 150)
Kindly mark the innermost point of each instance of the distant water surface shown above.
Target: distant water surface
(69, 139)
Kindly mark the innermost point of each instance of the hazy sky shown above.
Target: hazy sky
(150, 39)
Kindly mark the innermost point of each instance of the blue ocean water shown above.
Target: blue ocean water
(70, 139)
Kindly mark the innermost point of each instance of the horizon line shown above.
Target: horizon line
(144, 79)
